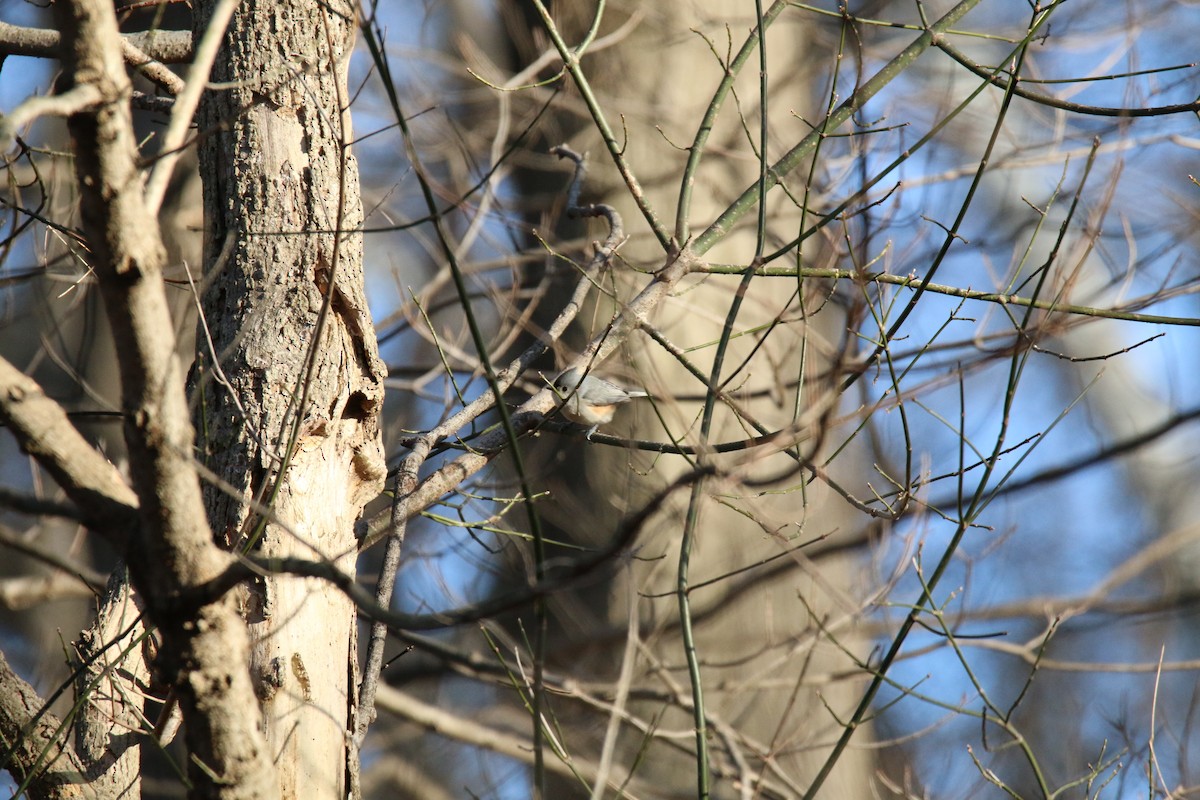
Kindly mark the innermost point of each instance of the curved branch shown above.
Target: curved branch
(1003, 82)
(205, 653)
(106, 503)
(169, 47)
(556, 579)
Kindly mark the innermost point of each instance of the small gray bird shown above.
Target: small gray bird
(589, 400)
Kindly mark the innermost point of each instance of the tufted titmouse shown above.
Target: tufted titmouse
(589, 400)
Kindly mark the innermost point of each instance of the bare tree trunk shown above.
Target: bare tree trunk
(756, 630)
(756, 634)
(111, 683)
(295, 430)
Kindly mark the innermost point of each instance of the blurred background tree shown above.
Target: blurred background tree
(910, 286)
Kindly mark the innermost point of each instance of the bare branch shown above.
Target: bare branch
(34, 745)
(447, 478)
(468, 731)
(206, 652)
(169, 47)
(185, 106)
(29, 504)
(60, 105)
(151, 69)
(30, 591)
(78, 574)
(105, 501)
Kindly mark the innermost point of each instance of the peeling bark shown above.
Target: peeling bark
(297, 428)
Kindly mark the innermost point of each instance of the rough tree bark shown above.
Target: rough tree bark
(112, 678)
(292, 416)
